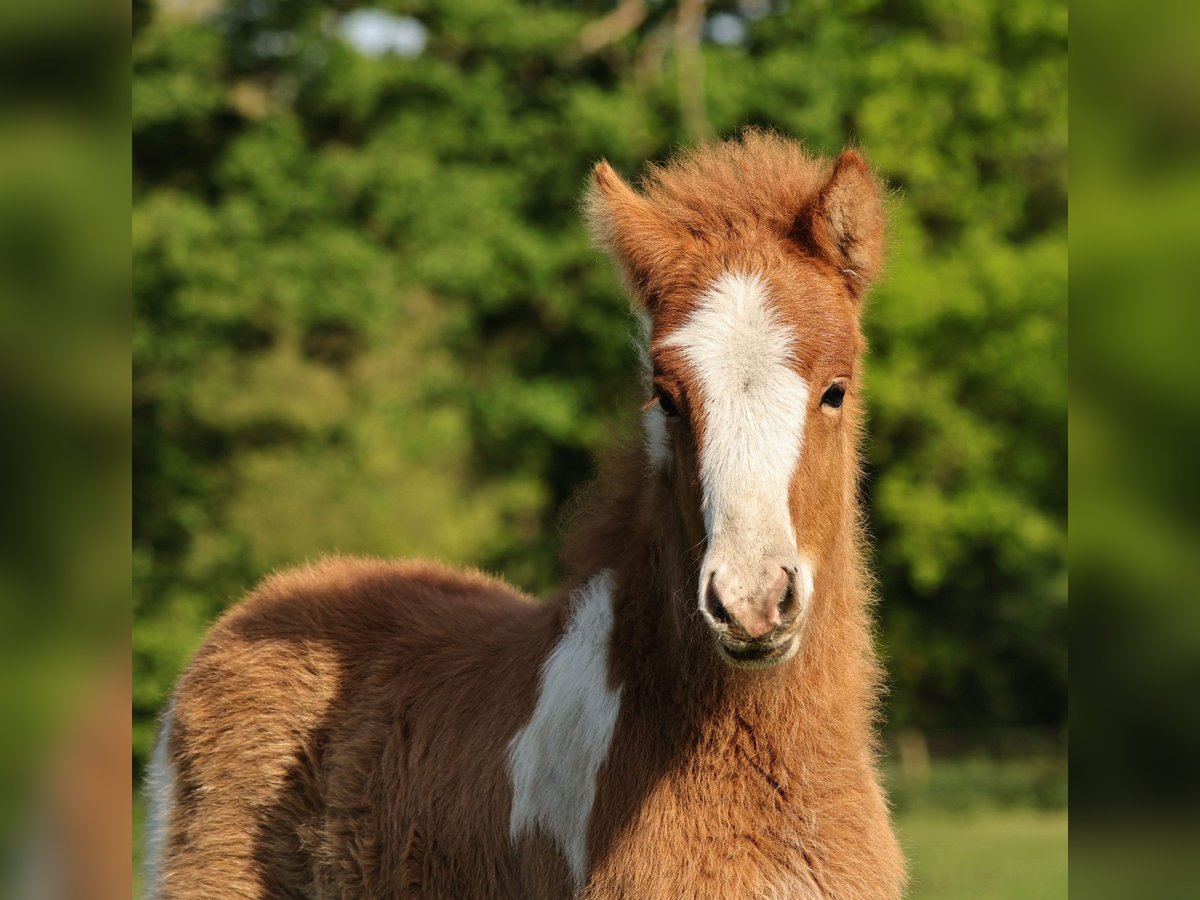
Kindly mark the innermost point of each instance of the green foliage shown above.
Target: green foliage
(368, 318)
(976, 783)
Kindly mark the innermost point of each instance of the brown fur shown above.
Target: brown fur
(344, 731)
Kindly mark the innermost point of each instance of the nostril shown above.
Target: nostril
(718, 610)
(715, 607)
(785, 589)
(787, 602)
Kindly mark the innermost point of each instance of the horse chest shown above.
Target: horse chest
(670, 859)
(685, 833)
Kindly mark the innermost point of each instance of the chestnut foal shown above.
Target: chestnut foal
(692, 717)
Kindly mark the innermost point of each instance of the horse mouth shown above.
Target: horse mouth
(757, 654)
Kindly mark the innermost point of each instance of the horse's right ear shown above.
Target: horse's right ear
(641, 239)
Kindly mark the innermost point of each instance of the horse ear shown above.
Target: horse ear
(642, 240)
(845, 224)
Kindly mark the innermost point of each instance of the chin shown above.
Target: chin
(759, 657)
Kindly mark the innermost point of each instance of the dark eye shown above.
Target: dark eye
(834, 396)
(666, 404)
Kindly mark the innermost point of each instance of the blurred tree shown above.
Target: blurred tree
(368, 317)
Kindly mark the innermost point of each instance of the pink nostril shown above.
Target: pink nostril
(786, 599)
(715, 607)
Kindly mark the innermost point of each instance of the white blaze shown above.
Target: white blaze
(755, 406)
(554, 759)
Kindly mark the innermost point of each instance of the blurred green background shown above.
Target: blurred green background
(368, 319)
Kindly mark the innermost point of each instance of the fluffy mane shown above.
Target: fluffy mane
(758, 177)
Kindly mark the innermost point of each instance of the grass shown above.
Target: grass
(1006, 854)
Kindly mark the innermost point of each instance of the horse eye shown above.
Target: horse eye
(666, 404)
(833, 396)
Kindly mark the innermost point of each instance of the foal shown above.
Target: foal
(693, 717)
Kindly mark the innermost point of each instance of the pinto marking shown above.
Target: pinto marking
(554, 759)
(658, 439)
(160, 797)
(654, 420)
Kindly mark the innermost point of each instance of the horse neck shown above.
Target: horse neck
(663, 652)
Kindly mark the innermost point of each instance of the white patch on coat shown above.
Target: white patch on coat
(755, 406)
(160, 799)
(654, 420)
(553, 761)
(658, 440)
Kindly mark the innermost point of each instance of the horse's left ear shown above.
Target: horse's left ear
(846, 222)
